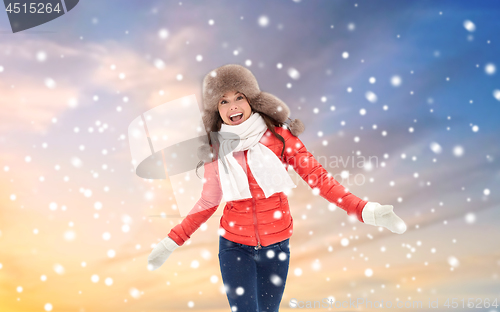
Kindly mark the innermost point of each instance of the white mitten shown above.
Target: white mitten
(382, 215)
(161, 252)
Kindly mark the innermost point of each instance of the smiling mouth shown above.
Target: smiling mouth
(236, 118)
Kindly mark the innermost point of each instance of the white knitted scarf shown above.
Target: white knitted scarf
(266, 167)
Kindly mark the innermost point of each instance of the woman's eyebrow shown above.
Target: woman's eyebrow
(237, 93)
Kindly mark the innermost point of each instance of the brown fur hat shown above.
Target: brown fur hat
(238, 78)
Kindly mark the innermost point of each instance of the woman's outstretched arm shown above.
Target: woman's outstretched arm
(304, 163)
(311, 171)
(206, 206)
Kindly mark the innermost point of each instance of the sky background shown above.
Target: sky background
(413, 84)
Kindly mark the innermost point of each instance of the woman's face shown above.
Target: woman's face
(234, 103)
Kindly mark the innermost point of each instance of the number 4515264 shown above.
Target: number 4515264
(479, 303)
(42, 8)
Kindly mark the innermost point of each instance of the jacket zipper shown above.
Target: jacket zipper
(255, 225)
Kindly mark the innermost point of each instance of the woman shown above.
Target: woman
(253, 148)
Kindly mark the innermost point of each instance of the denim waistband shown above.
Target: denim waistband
(228, 243)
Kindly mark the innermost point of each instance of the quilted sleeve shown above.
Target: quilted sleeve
(311, 171)
(206, 206)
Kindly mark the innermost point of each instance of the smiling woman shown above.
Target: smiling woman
(234, 108)
(247, 166)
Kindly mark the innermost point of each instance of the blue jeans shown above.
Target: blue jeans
(254, 279)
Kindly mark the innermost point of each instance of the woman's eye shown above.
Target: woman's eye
(239, 97)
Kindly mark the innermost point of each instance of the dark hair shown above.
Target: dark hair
(270, 122)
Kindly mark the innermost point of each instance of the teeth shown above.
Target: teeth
(235, 115)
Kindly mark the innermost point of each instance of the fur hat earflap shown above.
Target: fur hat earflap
(296, 127)
(205, 153)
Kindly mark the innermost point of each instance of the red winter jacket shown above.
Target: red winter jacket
(260, 221)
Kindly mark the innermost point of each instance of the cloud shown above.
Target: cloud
(79, 72)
